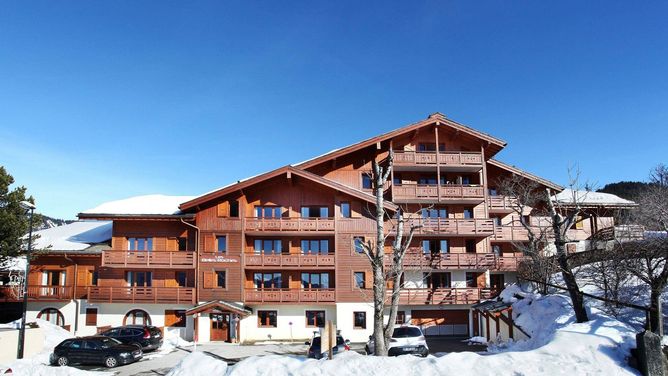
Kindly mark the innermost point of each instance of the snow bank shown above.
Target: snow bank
(39, 364)
(147, 204)
(197, 364)
(171, 341)
(558, 346)
(476, 339)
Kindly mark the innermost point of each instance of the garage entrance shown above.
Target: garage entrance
(443, 322)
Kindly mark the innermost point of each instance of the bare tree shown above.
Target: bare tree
(374, 250)
(558, 218)
(648, 259)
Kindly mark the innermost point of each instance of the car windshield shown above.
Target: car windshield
(109, 342)
(316, 341)
(406, 332)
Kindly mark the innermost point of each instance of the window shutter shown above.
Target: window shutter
(224, 209)
(356, 207)
(91, 316)
(208, 280)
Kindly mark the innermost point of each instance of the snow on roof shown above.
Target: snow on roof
(75, 236)
(147, 204)
(590, 198)
(14, 264)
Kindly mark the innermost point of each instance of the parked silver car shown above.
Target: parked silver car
(406, 339)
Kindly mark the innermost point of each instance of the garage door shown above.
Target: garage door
(442, 323)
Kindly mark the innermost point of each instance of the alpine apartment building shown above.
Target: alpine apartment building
(276, 255)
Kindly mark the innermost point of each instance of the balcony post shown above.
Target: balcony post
(438, 165)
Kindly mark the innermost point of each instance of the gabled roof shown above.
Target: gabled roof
(278, 172)
(436, 118)
(221, 305)
(525, 174)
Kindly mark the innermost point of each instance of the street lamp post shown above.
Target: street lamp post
(22, 331)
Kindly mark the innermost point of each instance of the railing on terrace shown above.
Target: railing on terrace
(111, 294)
(142, 259)
(289, 295)
(253, 259)
(289, 224)
(432, 192)
(429, 158)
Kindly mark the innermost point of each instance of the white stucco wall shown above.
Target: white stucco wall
(295, 314)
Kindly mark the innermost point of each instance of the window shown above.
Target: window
(359, 320)
(360, 280)
(435, 246)
(268, 246)
(366, 181)
(358, 242)
(315, 319)
(435, 213)
(267, 280)
(401, 317)
(137, 317)
(345, 210)
(138, 279)
(183, 244)
(268, 211)
(493, 192)
(430, 146)
(470, 246)
(181, 279)
(471, 279)
(315, 246)
(496, 249)
(438, 280)
(140, 244)
(234, 209)
(175, 318)
(220, 279)
(430, 180)
(466, 180)
(221, 242)
(267, 319)
(315, 212)
(52, 315)
(91, 316)
(315, 280)
(93, 277)
(468, 213)
(497, 221)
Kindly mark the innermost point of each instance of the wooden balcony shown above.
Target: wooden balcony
(445, 159)
(466, 295)
(108, 294)
(289, 260)
(149, 259)
(510, 234)
(36, 293)
(290, 295)
(457, 261)
(453, 226)
(429, 192)
(501, 204)
(290, 224)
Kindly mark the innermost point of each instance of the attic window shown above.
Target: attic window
(431, 147)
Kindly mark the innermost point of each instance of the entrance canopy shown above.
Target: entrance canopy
(220, 306)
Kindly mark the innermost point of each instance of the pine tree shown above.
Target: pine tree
(14, 221)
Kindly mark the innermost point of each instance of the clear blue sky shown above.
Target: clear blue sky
(106, 100)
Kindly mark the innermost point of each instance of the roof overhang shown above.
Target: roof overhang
(493, 144)
(137, 217)
(220, 305)
(288, 171)
(524, 174)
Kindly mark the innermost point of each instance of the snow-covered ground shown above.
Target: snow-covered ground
(558, 346)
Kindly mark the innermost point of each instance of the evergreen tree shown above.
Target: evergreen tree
(14, 221)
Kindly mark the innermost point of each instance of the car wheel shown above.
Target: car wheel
(136, 344)
(110, 362)
(62, 361)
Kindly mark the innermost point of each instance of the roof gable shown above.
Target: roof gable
(438, 119)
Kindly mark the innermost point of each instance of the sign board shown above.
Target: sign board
(219, 258)
(328, 338)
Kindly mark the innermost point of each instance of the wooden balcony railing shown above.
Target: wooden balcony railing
(431, 192)
(501, 203)
(290, 295)
(288, 260)
(510, 233)
(445, 158)
(414, 259)
(36, 293)
(453, 226)
(109, 294)
(153, 259)
(289, 224)
(466, 295)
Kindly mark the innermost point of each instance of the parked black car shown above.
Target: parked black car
(94, 350)
(147, 337)
(314, 349)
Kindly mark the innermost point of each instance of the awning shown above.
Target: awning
(221, 306)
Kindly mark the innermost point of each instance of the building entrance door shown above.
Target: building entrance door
(220, 326)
